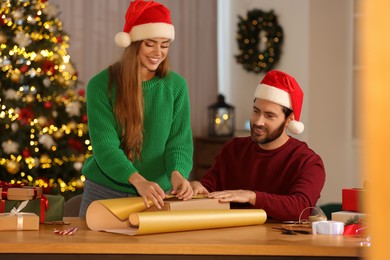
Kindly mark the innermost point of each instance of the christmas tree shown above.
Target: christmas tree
(43, 123)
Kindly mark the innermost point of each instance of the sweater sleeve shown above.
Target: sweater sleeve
(179, 147)
(103, 131)
(303, 193)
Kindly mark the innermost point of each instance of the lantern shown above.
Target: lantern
(221, 118)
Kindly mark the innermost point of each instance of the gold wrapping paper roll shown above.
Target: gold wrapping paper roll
(174, 221)
(125, 216)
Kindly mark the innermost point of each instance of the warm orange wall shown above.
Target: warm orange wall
(375, 123)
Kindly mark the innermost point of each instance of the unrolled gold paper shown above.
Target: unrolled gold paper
(125, 216)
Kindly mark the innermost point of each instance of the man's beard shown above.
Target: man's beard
(270, 136)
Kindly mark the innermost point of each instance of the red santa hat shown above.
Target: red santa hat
(282, 89)
(145, 20)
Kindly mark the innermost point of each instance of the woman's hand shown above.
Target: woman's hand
(148, 190)
(241, 196)
(181, 187)
(198, 188)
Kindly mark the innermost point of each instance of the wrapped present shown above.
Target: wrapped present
(352, 199)
(174, 204)
(19, 192)
(345, 216)
(48, 207)
(17, 220)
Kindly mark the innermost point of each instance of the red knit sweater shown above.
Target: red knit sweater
(286, 180)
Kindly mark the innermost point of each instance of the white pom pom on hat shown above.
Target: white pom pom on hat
(122, 39)
(282, 89)
(145, 20)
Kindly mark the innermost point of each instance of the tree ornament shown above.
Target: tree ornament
(38, 58)
(14, 127)
(3, 38)
(44, 159)
(15, 77)
(10, 147)
(58, 134)
(259, 39)
(48, 105)
(46, 82)
(26, 153)
(78, 166)
(30, 98)
(73, 108)
(47, 141)
(12, 167)
(50, 10)
(42, 121)
(11, 94)
(82, 92)
(22, 39)
(24, 68)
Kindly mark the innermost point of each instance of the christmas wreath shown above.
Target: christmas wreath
(259, 40)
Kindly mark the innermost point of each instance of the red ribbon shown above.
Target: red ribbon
(44, 206)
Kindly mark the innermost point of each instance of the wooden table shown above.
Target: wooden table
(260, 242)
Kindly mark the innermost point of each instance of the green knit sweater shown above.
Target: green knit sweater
(167, 142)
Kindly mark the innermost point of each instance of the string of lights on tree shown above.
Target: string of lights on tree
(43, 123)
(259, 39)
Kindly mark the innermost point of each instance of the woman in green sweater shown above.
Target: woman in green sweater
(139, 117)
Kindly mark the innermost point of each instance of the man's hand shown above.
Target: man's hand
(148, 190)
(181, 187)
(198, 188)
(241, 196)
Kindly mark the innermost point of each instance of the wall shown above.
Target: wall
(317, 51)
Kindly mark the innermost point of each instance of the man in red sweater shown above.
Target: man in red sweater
(269, 170)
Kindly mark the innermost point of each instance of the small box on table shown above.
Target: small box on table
(19, 221)
(20, 193)
(352, 199)
(345, 216)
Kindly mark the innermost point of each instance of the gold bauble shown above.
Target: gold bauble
(30, 98)
(15, 77)
(61, 80)
(13, 167)
(79, 184)
(58, 99)
(58, 134)
(44, 159)
(72, 125)
(38, 57)
(70, 93)
(42, 121)
(3, 38)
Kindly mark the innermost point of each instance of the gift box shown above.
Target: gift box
(10, 192)
(174, 204)
(352, 199)
(17, 220)
(48, 207)
(345, 216)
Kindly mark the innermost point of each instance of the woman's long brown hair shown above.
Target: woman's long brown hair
(129, 104)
